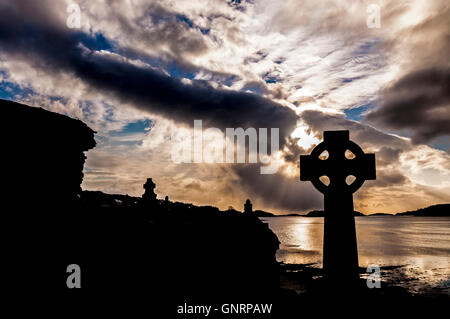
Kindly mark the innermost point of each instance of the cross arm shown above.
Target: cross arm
(362, 167)
(311, 167)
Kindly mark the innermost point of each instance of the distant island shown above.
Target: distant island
(261, 213)
(439, 210)
(320, 213)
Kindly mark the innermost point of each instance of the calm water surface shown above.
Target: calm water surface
(421, 245)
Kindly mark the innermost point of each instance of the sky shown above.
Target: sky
(140, 72)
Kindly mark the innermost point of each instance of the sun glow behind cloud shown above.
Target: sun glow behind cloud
(306, 138)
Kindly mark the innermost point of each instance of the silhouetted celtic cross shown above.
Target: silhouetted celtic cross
(337, 167)
(340, 254)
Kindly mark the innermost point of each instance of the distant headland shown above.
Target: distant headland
(439, 210)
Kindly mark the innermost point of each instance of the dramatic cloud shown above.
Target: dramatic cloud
(418, 103)
(278, 191)
(366, 136)
(55, 49)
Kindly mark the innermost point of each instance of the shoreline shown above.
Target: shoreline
(303, 277)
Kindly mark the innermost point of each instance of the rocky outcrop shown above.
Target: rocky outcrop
(43, 155)
(179, 249)
(42, 161)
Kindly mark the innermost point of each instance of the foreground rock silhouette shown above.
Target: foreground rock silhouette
(42, 160)
(164, 252)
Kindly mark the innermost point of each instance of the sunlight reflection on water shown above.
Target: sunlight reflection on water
(421, 244)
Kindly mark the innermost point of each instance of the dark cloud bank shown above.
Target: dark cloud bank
(418, 103)
(278, 191)
(32, 35)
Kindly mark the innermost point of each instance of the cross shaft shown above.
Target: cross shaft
(340, 254)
